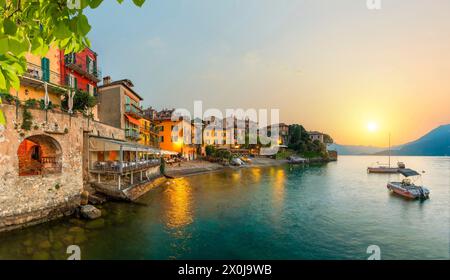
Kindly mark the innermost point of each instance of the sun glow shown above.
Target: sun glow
(372, 126)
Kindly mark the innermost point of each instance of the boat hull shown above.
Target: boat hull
(412, 193)
(382, 170)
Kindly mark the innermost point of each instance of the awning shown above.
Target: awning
(101, 144)
(408, 172)
(133, 120)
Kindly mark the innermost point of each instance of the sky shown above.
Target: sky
(332, 66)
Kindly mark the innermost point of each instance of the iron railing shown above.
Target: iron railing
(36, 72)
(116, 166)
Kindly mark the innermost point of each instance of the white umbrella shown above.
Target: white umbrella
(70, 101)
(46, 98)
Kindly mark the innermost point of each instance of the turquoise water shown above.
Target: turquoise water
(332, 211)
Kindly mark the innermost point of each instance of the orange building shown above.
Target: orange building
(176, 136)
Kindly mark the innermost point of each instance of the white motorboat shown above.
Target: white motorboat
(407, 187)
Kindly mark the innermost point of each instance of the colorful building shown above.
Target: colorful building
(149, 134)
(40, 71)
(176, 136)
(80, 71)
(119, 106)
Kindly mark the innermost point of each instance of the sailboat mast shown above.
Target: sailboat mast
(389, 150)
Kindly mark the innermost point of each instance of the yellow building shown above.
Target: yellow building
(149, 136)
(41, 70)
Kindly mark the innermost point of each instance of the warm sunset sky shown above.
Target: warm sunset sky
(333, 66)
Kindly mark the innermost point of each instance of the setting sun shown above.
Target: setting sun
(372, 126)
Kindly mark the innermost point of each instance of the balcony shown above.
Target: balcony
(78, 63)
(134, 111)
(35, 77)
(132, 134)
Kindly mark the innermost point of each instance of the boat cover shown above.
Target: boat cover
(408, 172)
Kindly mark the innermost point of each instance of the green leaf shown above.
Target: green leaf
(4, 44)
(2, 81)
(18, 47)
(13, 79)
(62, 31)
(139, 3)
(95, 3)
(83, 25)
(9, 26)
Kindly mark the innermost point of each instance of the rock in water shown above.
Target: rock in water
(90, 212)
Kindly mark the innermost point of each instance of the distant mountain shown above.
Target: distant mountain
(434, 143)
(355, 150)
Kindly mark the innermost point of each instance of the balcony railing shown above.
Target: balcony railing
(131, 133)
(133, 110)
(78, 63)
(36, 72)
(116, 166)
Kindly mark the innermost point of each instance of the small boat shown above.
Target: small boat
(407, 187)
(296, 160)
(387, 169)
(237, 162)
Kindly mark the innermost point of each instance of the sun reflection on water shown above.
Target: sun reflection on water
(179, 204)
(279, 178)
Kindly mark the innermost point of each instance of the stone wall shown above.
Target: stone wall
(30, 199)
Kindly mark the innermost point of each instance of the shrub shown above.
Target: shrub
(8, 97)
(31, 103)
(27, 121)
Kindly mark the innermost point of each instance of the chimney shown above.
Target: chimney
(106, 80)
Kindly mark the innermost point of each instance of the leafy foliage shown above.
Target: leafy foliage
(27, 121)
(34, 25)
(82, 101)
(300, 142)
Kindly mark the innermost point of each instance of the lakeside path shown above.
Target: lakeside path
(200, 166)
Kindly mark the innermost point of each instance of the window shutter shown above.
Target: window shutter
(88, 64)
(75, 83)
(95, 68)
(45, 65)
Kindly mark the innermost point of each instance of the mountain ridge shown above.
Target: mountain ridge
(434, 143)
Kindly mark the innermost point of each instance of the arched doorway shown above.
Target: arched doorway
(38, 155)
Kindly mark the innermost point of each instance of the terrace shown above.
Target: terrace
(117, 166)
(36, 77)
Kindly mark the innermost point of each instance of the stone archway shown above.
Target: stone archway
(39, 155)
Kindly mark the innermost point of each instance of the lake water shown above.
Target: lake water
(332, 211)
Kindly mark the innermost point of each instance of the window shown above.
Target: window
(72, 81)
(89, 65)
(161, 128)
(161, 139)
